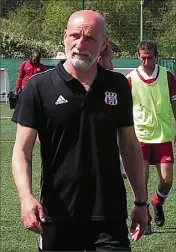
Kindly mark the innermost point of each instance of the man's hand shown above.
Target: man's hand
(32, 214)
(18, 92)
(139, 220)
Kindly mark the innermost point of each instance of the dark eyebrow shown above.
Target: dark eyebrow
(89, 36)
(146, 57)
(74, 33)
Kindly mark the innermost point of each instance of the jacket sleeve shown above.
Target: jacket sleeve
(20, 77)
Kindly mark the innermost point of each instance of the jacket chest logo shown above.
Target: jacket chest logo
(111, 98)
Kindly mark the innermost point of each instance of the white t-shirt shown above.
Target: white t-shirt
(146, 76)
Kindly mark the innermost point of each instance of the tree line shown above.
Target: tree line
(40, 24)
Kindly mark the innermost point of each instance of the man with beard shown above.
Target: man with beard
(105, 60)
(77, 109)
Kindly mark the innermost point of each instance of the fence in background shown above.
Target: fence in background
(11, 66)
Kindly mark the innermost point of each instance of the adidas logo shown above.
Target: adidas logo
(60, 100)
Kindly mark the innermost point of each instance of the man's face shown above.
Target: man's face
(147, 59)
(35, 59)
(83, 43)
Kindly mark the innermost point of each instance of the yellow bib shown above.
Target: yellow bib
(151, 108)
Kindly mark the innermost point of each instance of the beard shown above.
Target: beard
(77, 62)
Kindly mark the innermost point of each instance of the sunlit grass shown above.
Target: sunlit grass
(14, 238)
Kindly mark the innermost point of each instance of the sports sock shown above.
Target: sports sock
(159, 198)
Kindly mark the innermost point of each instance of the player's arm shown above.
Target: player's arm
(133, 162)
(22, 160)
(31, 210)
(173, 103)
(27, 117)
(20, 76)
(129, 145)
(172, 91)
(132, 158)
(128, 76)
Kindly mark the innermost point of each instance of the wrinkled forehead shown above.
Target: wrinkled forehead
(86, 24)
(147, 53)
(76, 22)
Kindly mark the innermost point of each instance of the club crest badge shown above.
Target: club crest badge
(111, 98)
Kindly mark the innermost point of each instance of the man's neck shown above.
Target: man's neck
(149, 72)
(85, 77)
(148, 75)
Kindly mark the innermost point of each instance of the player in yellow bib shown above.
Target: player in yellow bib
(154, 93)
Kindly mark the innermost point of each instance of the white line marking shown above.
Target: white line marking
(5, 117)
(7, 141)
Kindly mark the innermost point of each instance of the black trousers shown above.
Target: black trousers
(93, 236)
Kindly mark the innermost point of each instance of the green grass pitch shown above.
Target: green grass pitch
(14, 238)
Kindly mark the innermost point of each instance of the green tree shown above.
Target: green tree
(21, 31)
(166, 39)
(39, 23)
(123, 24)
(55, 19)
(8, 5)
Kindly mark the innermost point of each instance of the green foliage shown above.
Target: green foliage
(56, 17)
(8, 5)
(40, 24)
(22, 32)
(15, 44)
(120, 15)
(167, 38)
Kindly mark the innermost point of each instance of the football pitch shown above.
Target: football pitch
(14, 238)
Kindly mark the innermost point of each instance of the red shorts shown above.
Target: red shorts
(157, 153)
